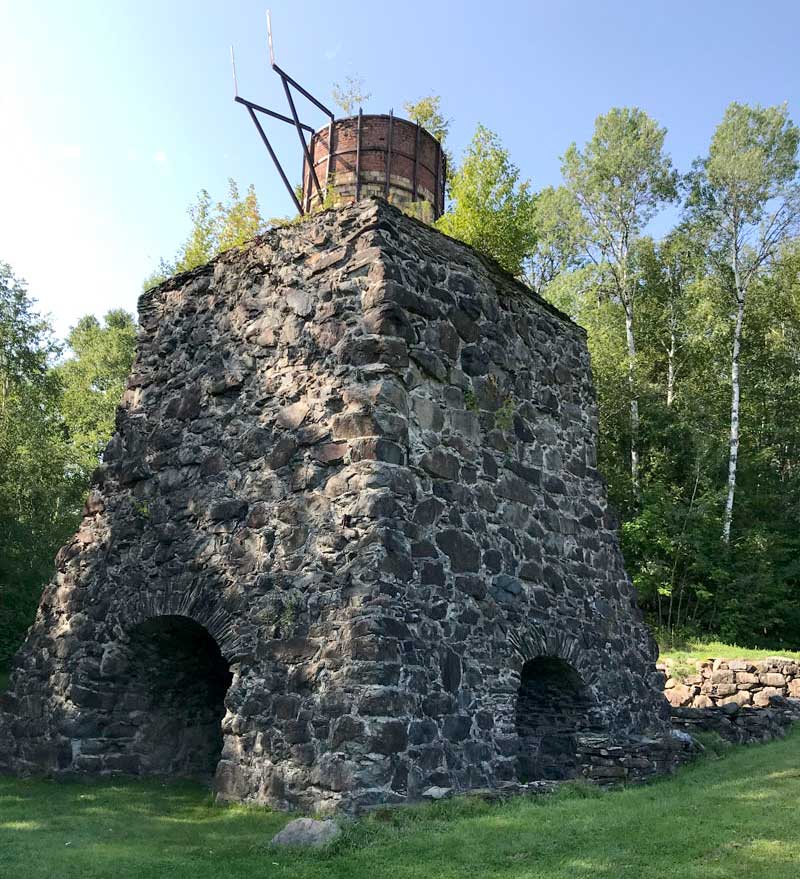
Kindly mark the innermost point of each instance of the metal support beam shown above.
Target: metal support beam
(358, 156)
(388, 156)
(300, 134)
(274, 158)
(330, 157)
(271, 113)
(416, 165)
(286, 78)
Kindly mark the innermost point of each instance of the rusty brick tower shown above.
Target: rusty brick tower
(356, 157)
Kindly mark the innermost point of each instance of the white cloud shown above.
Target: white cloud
(160, 156)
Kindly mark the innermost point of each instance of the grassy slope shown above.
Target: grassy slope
(699, 650)
(728, 818)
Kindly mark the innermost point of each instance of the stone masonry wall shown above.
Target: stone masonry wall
(363, 460)
(741, 725)
(718, 682)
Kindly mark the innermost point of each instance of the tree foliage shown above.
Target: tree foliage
(745, 198)
(492, 209)
(619, 181)
(350, 94)
(735, 241)
(214, 228)
(39, 485)
(427, 112)
(56, 415)
(93, 380)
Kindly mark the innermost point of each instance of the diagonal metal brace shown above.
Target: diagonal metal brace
(274, 158)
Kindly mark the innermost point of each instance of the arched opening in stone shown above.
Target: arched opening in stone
(176, 697)
(553, 707)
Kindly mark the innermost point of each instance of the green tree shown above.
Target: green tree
(492, 210)
(667, 272)
(40, 488)
(558, 231)
(427, 112)
(238, 220)
(350, 94)
(745, 196)
(93, 380)
(203, 241)
(619, 181)
(214, 228)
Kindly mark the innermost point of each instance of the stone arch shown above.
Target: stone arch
(170, 698)
(544, 641)
(555, 704)
(197, 603)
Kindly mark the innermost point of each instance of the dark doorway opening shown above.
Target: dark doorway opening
(553, 707)
(179, 679)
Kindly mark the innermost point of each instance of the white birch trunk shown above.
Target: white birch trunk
(733, 457)
(671, 368)
(634, 399)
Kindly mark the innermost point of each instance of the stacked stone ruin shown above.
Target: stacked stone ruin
(715, 683)
(348, 543)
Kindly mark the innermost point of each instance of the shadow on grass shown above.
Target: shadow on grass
(131, 828)
(719, 819)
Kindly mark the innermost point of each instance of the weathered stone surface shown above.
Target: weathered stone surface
(340, 517)
(307, 833)
(678, 695)
(742, 724)
(722, 681)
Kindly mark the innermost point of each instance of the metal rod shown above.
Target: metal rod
(416, 165)
(274, 158)
(328, 163)
(269, 40)
(302, 137)
(388, 156)
(443, 177)
(271, 113)
(306, 94)
(358, 156)
(235, 83)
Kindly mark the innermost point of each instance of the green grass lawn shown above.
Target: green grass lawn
(699, 650)
(733, 817)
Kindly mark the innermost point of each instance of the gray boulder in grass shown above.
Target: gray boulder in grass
(307, 832)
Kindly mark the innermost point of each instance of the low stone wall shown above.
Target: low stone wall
(638, 759)
(747, 725)
(719, 682)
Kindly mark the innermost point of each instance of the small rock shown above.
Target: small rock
(307, 832)
(437, 793)
(682, 737)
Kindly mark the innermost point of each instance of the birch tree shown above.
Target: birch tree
(620, 180)
(668, 269)
(745, 195)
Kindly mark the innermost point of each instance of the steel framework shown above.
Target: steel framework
(301, 128)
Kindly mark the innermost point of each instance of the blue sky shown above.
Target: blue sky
(114, 114)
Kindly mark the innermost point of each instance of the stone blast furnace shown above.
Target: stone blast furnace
(348, 541)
